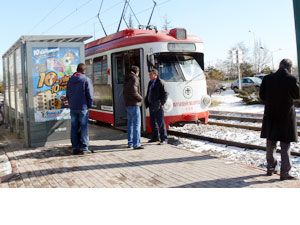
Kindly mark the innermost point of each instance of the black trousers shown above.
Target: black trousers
(285, 156)
(158, 124)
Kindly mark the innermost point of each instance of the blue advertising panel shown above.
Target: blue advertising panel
(51, 71)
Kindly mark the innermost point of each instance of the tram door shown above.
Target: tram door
(121, 64)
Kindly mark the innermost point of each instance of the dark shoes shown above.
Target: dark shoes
(270, 172)
(80, 152)
(163, 142)
(288, 177)
(153, 140)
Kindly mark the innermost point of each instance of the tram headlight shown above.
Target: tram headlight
(205, 101)
(168, 106)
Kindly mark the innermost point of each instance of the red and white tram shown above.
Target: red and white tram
(179, 59)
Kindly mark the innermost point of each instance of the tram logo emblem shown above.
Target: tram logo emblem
(188, 92)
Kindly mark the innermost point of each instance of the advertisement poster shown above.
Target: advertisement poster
(52, 69)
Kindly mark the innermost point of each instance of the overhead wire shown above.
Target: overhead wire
(67, 16)
(95, 16)
(104, 11)
(100, 21)
(134, 14)
(140, 12)
(45, 17)
(128, 1)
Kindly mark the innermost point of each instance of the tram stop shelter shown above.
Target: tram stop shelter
(36, 70)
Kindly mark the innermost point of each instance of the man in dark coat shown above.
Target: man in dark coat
(155, 99)
(279, 123)
(133, 101)
(80, 99)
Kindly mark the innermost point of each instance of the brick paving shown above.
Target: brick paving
(114, 166)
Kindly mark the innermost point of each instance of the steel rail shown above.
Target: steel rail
(224, 142)
(242, 119)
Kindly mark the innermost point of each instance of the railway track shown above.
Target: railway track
(247, 127)
(243, 117)
(215, 112)
(223, 142)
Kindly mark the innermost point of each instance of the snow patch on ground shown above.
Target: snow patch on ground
(229, 102)
(235, 155)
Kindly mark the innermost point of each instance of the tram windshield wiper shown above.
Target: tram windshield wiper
(201, 74)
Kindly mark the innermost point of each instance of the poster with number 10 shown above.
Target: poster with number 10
(52, 69)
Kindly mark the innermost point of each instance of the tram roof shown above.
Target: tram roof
(130, 37)
(48, 39)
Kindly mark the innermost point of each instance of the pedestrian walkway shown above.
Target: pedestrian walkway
(113, 165)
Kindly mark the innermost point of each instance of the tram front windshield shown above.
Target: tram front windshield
(179, 67)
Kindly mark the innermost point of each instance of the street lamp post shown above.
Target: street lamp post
(237, 58)
(254, 46)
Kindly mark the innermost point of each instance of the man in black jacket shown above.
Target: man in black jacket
(279, 123)
(155, 99)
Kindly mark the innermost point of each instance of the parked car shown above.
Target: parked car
(246, 83)
(260, 75)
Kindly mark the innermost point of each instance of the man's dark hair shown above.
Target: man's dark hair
(134, 69)
(286, 64)
(81, 68)
(154, 71)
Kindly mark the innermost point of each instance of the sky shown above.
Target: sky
(220, 24)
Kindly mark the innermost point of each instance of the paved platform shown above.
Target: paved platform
(114, 166)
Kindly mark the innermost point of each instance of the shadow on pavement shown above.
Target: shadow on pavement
(236, 182)
(39, 173)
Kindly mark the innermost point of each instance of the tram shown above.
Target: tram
(178, 57)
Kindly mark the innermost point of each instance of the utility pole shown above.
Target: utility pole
(237, 58)
(297, 27)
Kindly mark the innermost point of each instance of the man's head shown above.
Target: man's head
(135, 70)
(286, 64)
(153, 74)
(81, 68)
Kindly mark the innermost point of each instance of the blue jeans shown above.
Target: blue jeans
(79, 130)
(134, 126)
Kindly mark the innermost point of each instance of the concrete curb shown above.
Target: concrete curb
(8, 166)
(5, 168)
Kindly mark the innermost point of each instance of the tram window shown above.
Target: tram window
(89, 69)
(191, 69)
(123, 62)
(169, 72)
(178, 67)
(100, 70)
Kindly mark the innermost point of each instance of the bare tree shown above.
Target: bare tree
(261, 56)
(166, 23)
(230, 67)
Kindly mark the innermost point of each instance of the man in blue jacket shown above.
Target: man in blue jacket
(80, 98)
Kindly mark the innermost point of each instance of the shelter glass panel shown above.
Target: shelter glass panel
(51, 70)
